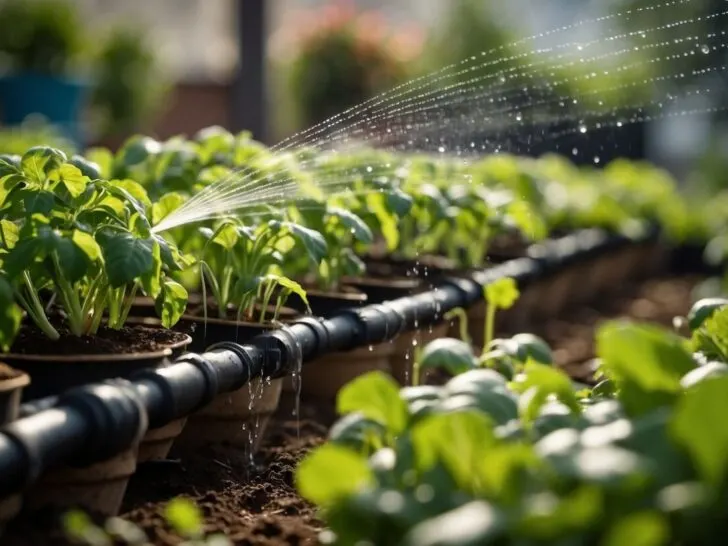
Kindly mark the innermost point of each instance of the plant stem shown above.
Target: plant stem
(489, 325)
(462, 318)
(36, 311)
(70, 300)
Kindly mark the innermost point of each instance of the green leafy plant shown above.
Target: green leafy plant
(237, 264)
(85, 242)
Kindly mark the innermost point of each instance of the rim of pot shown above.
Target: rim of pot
(115, 357)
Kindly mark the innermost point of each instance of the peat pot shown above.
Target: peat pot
(239, 418)
(99, 487)
(12, 383)
(55, 373)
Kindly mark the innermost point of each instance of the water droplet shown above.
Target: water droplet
(519, 116)
(575, 151)
(369, 169)
(582, 128)
(705, 49)
(441, 149)
(596, 159)
(371, 348)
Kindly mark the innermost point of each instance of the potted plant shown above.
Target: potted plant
(240, 268)
(39, 48)
(76, 249)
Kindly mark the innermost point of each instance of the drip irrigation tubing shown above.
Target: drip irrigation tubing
(94, 422)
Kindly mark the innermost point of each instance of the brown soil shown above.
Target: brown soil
(259, 505)
(6, 372)
(130, 339)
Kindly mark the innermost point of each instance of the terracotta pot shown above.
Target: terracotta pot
(324, 377)
(403, 356)
(10, 393)
(239, 418)
(99, 488)
(157, 443)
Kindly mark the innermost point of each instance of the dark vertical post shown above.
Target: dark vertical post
(248, 90)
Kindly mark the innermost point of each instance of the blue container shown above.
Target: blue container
(59, 101)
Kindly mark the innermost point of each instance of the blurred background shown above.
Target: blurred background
(93, 72)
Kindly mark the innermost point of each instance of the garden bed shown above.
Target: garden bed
(261, 506)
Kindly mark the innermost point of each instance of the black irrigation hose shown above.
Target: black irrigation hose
(92, 423)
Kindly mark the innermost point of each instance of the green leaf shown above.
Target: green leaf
(703, 310)
(642, 360)
(103, 159)
(698, 425)
(290, 286)
(127, 257)
(72, 260)
(542, 381)
(226, 235)
(87, 167)
(460, 441)
(450, 354)
(10, 316)
(501, 293)
(533, 347)
(134, 189)
(165, 206)
(8, 234)
(184, 517)
(331, 473)
(702, 373)
(88, 244)
(353, 223)
(37, 201)
(38, 161)
(357, 432)
(476, 523)
(311, 239)
(376, 396)
(23, 255)
(72, 179)
(152, 279)
(171, 303)
(137, 149)
(639, 529)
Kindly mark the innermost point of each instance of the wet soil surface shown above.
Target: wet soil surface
(127, 340)
(259, 505)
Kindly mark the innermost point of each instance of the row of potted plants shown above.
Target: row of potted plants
(91, 291)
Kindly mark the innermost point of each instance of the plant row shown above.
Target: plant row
(504, 448)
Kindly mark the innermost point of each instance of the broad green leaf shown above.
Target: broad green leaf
(712, 337)
(72, 179)
(10, 315)
(702, 373)
(87, 167)
(639, 529)
(290, 285)
(450, 354)
(642, 359)
(127, 257)
(331, 473)
(226, 235)
(475, 382)
(476, 523)
(501, 293)
(376, 396)
(8, 167)
(137, 149)
(72, 260)
(311, 239)
(547, 381)
(103, 159)
(166, 204)
(8, 234)
(171, 303)
(357, 432)
(353, 223)
(460, 441)
(88, 244)
(37, 201)
(698, 425)
(38, 161)
(533, 347)
(7, 184)
(528, 220)
(23, 255)
(134, 189)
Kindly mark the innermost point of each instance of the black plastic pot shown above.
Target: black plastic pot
(53, 374)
